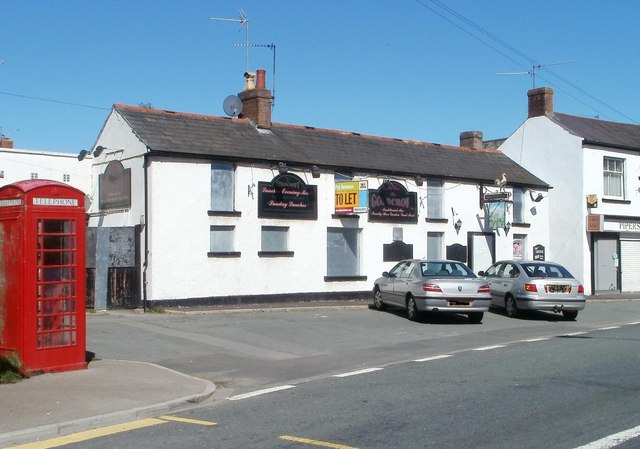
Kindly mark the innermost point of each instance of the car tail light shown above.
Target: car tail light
(530, 288)
(484, 289)
(431, 288)
(580, 289)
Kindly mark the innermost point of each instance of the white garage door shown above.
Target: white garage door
(630, 265)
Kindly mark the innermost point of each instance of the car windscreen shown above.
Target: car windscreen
(542, 270)
(445, 269)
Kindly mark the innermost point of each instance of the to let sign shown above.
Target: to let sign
(351, 197)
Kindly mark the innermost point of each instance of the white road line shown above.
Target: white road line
(488, 348)
(436, 357)
(531, 340)
(609, 328)
(613, 440)
(355, 373)
(573, 333)
(633, 323)
(259, 392)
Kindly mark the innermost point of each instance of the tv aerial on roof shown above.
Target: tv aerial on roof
(244, 22)
(534, 68)
(232, 106)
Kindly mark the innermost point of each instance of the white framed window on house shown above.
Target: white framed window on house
(222, 188)
(343, 254)
(274, 241)
(613, 176)
(435, 199)
(435, 241)
(66, 178)
(518, 205)
(34, 175)
(222, 241)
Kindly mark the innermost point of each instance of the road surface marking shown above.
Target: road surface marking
(435, 357)
(316, 442)
(260, 392)
(91, 434)
(187, 420)
(532, 340)
(574, 333)
(355, 373)
(487, 348)
(609, 328)
(613, 440)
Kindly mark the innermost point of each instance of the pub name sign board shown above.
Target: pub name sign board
(393, 203)
(287, 196)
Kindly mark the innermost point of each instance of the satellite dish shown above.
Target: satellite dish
(232, 106)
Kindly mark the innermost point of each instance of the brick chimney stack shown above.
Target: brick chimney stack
(5, 142)
(256, 101)
(540, 102)
(471, 139)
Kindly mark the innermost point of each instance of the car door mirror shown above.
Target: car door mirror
(385, 274)
(482, 273)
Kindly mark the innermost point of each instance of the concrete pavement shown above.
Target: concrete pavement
(108, 392)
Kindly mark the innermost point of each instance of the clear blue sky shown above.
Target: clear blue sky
(414, 69)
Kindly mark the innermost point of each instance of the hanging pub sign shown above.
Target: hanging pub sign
(496, 211)
(352, 197)
(393, 203)
(287, 196)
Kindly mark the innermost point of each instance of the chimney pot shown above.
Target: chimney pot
(260, 79)
(471, 139)
(540, 102)
(6, 142)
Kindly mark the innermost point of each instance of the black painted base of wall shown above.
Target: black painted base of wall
(260, 299)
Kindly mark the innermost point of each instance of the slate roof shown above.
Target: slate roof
(600, 132)
(238, 139)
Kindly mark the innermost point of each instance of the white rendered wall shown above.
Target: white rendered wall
(18, 165)
(556, 156)
(178, 226)
(116, 135)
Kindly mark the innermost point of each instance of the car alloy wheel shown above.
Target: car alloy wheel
(412, 311)
(511, 307)
(377, 300)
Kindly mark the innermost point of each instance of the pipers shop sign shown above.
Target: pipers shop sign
(393, 203)
(287, 196)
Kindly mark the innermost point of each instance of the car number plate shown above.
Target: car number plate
(460, 303)
(553, 288)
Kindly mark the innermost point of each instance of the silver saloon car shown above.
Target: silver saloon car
(432, 286)
(518, 285)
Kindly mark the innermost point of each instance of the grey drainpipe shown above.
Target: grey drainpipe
(146, 235)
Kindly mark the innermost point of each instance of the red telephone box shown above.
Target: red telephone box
(42, 275)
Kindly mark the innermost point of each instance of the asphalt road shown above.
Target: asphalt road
(366, 380)
(245, 351)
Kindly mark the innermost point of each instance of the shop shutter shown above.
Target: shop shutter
(630, 265)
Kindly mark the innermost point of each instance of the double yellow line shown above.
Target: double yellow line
(108, 430)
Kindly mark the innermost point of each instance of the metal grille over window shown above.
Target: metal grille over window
(56, 283)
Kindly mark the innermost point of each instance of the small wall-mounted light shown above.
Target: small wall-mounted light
(98, 151)
(419, 180)
(537, 198)
(315, 171)
(282, 168)
(507, 226)
(458, 225)
(82, 154)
